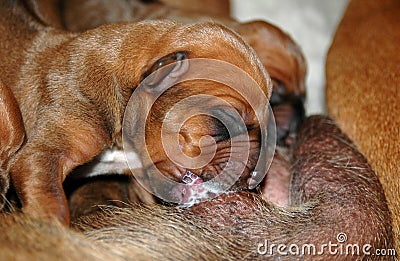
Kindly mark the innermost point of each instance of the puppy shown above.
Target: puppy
(281, 56)
(363, 89)
(72, 90)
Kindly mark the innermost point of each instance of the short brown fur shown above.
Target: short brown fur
(363, 79)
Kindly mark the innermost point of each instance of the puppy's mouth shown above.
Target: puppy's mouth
(194, 191)
(231, 168)
(195, 187)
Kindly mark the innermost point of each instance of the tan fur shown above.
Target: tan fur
(72, 90)
(280, 55)
(23, 237)
(363, 81)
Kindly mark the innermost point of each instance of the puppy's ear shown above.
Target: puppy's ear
(164, 73)
(12, 135)
(166, 70)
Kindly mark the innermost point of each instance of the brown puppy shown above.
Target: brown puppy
(72, 90)
(286, 65)
(363, 79)
(11, 136)
(279, 54)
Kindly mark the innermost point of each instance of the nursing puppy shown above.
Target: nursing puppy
(362, 92)
(72, 90)
(280, 55)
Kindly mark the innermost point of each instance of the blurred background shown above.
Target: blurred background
(311, 23)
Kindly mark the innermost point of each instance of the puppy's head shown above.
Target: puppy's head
(201, 124)
(286, 66)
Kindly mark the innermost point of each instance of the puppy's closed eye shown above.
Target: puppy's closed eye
(170, 66)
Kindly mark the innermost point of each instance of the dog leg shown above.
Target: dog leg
(362, 91)
(41, 165)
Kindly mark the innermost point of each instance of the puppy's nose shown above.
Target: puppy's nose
(199, 136)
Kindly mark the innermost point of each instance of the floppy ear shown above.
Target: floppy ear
(12, 135)
(278, 52)
(166, 70)
(164, 73)
(286, 66)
